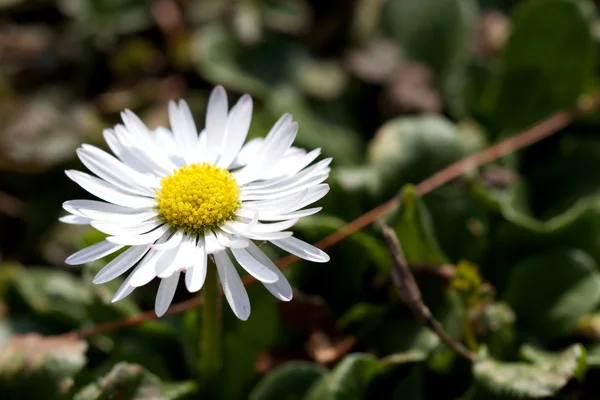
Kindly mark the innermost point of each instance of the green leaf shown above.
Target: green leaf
(53, 294)
(522, 234)
(461, 223)
(414, 228)
(543, 378)
(179, 390)
(106, 18)
(546, 63)
(221, 59)
(124, 382)
(35, 367)
(567, 286)
(290, 381)
(409, 149)
(348, 380)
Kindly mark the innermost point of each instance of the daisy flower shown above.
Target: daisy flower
(174, 198)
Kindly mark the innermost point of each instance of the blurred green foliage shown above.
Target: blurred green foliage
(507, 257)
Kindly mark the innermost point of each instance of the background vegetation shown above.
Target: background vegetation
(507, 257)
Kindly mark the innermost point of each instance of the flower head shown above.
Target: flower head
(175, 197)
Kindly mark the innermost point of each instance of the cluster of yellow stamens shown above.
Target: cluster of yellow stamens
(198, 197)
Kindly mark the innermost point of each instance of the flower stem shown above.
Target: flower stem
(210, 340)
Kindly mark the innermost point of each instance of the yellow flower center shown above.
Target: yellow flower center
(198, 197)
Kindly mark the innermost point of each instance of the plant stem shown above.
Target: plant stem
(210, 340)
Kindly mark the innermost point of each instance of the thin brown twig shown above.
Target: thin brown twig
(405, 284)
(541, 130)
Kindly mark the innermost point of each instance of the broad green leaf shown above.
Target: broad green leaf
(179, 390)
(567, 286)
(35, 367)
(414, 229)
(523, 234)
(221, 59)
(546, 63)
(349, 379)
(435, 33)
(548, 373)
(548, 359)
(126, 382)
(290, 381)
(53, 294)
(106, 18)
(462, 225)
(410, 149)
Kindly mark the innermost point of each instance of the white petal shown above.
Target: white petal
(299, 163)
(184, 130)
(177, 259)
(170, 243)
(236, 130)
(125, 154)
(311, 174)
(93, 252)
(114, 171)
(314, 194)
(227, 240)
(216, 120)
(295, 214)
(102, 211)
(262, 228)
(278, 205)
(201, 145)
(196, 275)
(156, 160)
(254, 267)
(280, 289)
(211, 243)
(127, 228)
(166, 263)
(108, 192)
(139, 134)
(125, 289)
(301, 249)
(121, 264)
(267, 194)
(166, 292)
(270, 153)
(146, 270)
(75, 220)
(145, 238)
(267, 235)
(164, 139)
(234, 290)
(248, 152)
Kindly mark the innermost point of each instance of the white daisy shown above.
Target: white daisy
(174, 197)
